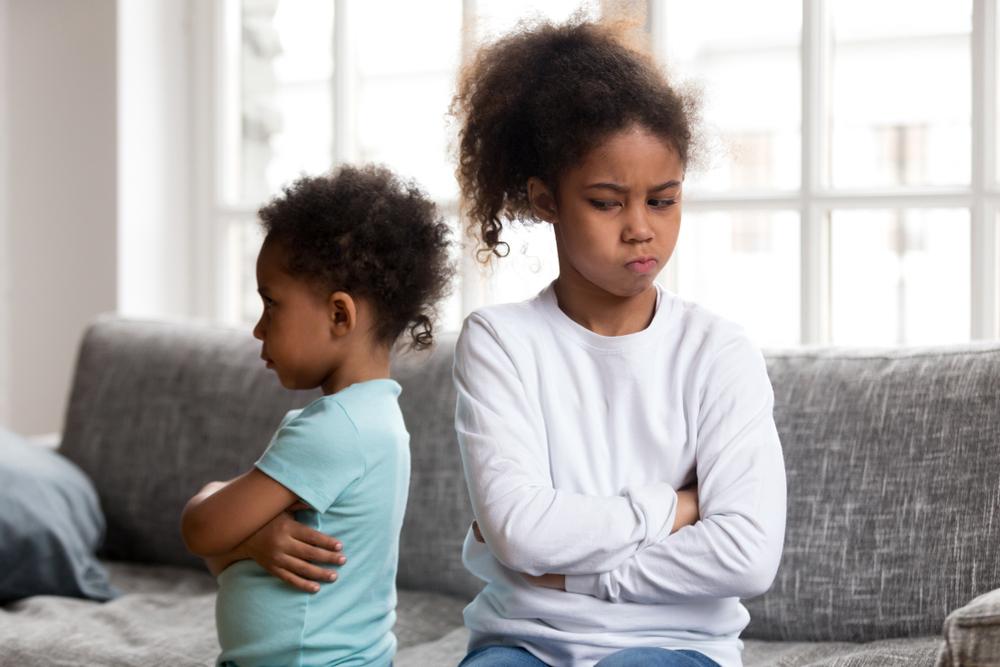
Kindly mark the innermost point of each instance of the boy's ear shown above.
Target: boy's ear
(542, 200)
(343, 313)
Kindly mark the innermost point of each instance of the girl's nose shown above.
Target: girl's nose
(258, 329)
(637, 228)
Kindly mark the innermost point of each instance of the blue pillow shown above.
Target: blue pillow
(50, 525)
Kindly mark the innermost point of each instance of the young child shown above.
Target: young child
(583, 410)
(350, 261)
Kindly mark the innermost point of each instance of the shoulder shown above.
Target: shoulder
(501, 325)
(324, 419)
(708, 335)
(720, 353)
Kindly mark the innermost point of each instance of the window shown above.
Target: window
(850, 193)
(854, 182)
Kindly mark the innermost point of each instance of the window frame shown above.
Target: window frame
(216, 94)
(814, 201)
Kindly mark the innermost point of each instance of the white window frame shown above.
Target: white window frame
(216, 93)
(813, 201)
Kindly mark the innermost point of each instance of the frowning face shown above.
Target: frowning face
(617, 213)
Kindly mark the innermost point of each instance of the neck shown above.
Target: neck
(604, 313)
(358, 366)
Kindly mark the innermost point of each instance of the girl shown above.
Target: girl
(349, 263)
(583, 410)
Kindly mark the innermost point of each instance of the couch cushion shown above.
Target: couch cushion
(50, 525)
(893, 463)
(158, 409)
(972, 633)
(166, 616)
(438, 512)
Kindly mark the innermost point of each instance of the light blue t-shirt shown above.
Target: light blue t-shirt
(347, 456)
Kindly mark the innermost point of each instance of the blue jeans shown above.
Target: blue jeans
(511, 656)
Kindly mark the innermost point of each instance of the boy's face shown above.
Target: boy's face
(618, 213)
(295, 325)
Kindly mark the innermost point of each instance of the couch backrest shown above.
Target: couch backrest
(157, 409)
(893, 466)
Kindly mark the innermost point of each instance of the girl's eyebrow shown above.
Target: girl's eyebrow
(262, 290)
(622, 188)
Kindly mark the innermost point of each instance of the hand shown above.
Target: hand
(284, 547)
(687, 508)
(556, 581)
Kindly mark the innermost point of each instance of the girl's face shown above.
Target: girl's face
(617, 213)
(295, 326)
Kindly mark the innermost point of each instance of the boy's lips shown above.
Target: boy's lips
(641, 264)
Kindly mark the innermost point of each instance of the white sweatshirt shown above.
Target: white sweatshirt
(573, 445)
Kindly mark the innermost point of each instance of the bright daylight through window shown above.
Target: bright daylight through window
(848, 193)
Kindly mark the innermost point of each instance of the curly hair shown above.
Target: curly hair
(365, 231)
(537, 100)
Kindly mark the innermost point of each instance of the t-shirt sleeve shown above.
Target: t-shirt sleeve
(316, 455)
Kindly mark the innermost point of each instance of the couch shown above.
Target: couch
(892, 543)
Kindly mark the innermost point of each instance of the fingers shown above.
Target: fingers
(296, 581)
(298, 506)
(306, 571)
(317, 555)
(316, 538)
(476, 532)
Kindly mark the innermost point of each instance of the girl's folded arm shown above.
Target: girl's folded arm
(735, 549)
(528, 525)
(222, 515)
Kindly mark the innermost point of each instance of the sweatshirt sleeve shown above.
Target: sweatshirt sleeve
(528, 525)
(735, 548)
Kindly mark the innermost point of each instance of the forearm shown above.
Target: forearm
(539, 530)
(733, 551)
(216, 564)
(224, 514)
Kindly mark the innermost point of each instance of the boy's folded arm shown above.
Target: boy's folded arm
(528, 525)
(220, 517)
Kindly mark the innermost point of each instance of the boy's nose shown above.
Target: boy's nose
(258, 331)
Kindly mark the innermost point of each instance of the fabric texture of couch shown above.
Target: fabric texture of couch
(893, 462)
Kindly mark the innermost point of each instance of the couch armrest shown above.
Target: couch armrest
(972, 633)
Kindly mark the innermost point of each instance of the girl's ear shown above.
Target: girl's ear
(542, 200)
(343, 313)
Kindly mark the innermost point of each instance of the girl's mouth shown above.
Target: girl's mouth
(642, 265)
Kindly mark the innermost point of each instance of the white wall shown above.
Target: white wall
(154, 155)
(5, 408)
(59, 83)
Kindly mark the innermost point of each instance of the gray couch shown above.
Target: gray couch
(893, 465)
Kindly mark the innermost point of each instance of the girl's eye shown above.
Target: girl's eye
(603, 204)
(661, 203)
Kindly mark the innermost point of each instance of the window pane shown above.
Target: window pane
(496, 17)
(748, 66)
(241, 243)
(900, 277)
(404, 80)
(745, 266)
(531, 265)
(285, 101)
(900, 109)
